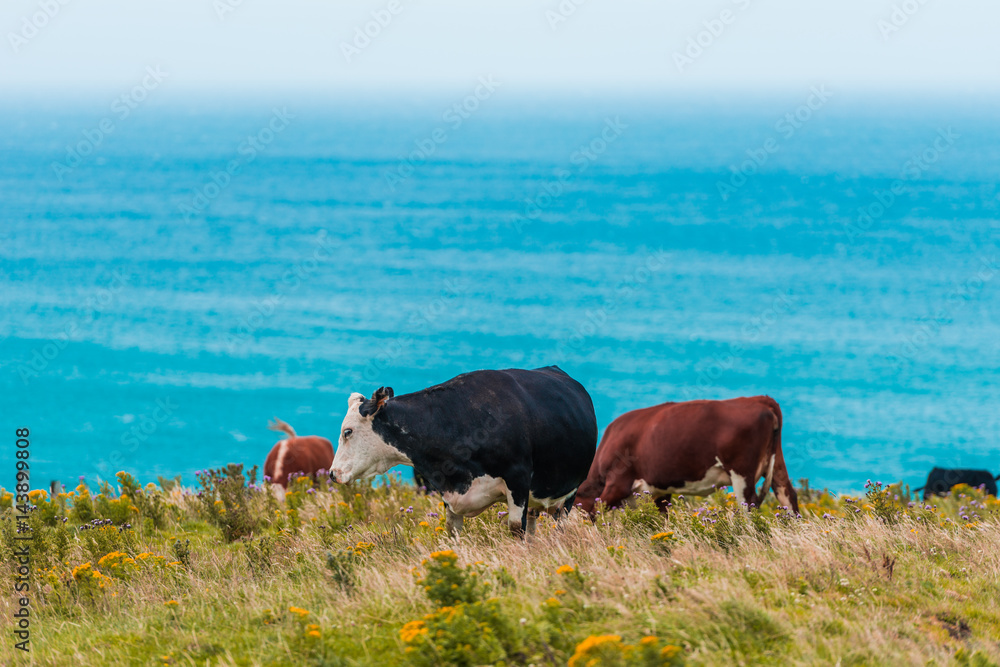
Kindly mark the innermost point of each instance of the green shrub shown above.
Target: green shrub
(883, 504)
(465, 630)
(182, 552)
(149, 502)
(611, 651)
(446, 584)
(463, 635)
(83, 507)
(226, 500)
(51, 511)
(643, 514)
(100, 537)
(118, 509)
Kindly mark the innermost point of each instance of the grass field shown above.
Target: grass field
(350, 575)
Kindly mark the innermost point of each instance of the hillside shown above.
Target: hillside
(225, 575)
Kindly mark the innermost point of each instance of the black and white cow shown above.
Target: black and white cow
(524, 436)
(940, 481)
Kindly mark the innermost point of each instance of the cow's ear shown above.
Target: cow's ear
(374, 404)
(354, 399)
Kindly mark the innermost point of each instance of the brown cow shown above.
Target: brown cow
(693, 448)
(307, 454)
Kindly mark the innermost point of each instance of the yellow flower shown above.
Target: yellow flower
(108, 560)
(302, 613)
(425, 524)
(313, 633)
(670, 651)
(590, 643)
(81, 570)
(560, 591)
(565, 569)
(412, 630)
(171, 603)
(662, 537)
(447, 554)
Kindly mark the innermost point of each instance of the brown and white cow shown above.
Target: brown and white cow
(307, 455)
(692, 448)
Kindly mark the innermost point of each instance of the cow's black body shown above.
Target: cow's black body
(940, 481)
(535, 429)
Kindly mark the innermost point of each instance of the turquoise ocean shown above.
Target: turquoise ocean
(173, 277)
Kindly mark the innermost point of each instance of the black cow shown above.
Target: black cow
(940, 481)
(524, 436)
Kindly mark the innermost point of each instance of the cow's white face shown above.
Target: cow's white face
(361, 452)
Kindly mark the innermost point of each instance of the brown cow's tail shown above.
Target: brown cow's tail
(782, 485)
(278, 425)
(775, 448)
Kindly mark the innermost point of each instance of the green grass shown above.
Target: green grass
(346, 576)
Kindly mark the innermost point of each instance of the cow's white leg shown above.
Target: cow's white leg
(279, 492)
(453, 522)
(517, 506)
(743, 492)
(784, 499)
(767, 482)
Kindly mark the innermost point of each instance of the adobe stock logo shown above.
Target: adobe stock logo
(787, 126)
(32, 25)
(224, 7)
(122, 107)
(247, 152)
(912, 170)
(563, 11)
(582, 158)
(899, 18)
(455, 116)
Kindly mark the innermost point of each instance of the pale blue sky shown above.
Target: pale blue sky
(264, 45)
